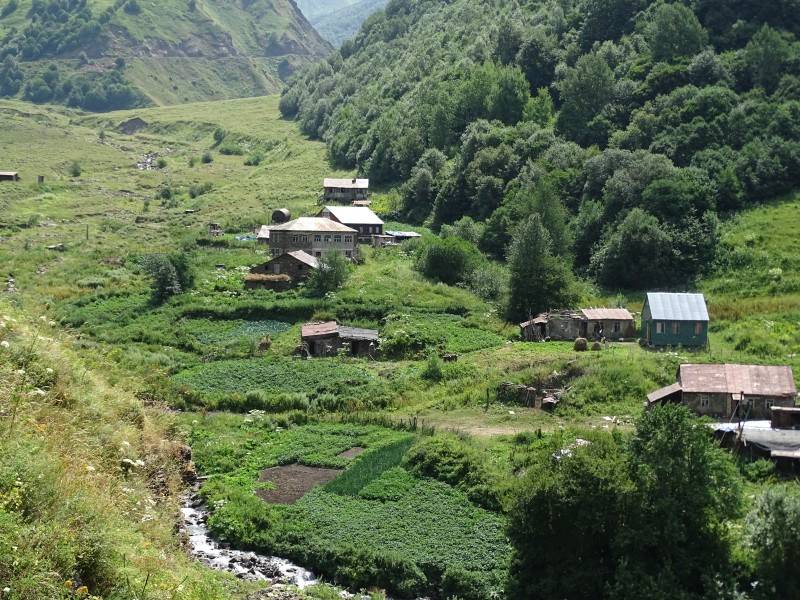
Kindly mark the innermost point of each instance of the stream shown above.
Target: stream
(245, 565)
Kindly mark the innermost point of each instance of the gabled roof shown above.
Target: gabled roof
(677, 307)
(752, 380)
(313, 224)
(332, 328)
(353, 184)
(404, 234)
(607, 314)
(299, 255)
(353, 215)
(263, 233)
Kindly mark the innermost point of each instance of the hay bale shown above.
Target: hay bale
(581, 345)
(597, 346)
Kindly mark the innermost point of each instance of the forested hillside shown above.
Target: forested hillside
(102, 55)
(628, 126)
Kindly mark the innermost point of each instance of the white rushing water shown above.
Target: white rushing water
(245, 565)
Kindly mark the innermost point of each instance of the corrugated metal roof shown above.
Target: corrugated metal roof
(350, 184)
(404, 234)
(607, 314)
(677, 307)
(663, 393)
(305, 258)
(9, 173)
(313, 224)
(320, 329)
(353, 215)
(752, 380)
(781, 442)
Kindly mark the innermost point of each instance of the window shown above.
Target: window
(295, 238)
(705, 402)
(318, 254)
(617, 326)
(317, 238)
(676, 328)
(659, 327)
(275, 252)
(698, 328)
(348, 253)
(348, 239)
(327, 239)
(337, 239)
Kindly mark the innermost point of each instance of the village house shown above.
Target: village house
(314, 235)
(9, 176)
(296, 265)
(326, 339)
(360, 218)
(746, 392)
(345, 190)
(675, 320)
(262, 236)
(402, 236)
(589, 323)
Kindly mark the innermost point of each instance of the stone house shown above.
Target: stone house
(345, 190)
(315, 236)
(590, 323)
(747, 392)
(297, 264)
(326, 339)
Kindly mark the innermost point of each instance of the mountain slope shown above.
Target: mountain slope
(339, 20)
(165, 52)
(343, 23)
(628, 127)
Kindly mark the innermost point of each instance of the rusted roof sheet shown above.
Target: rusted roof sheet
(353, 215)
(349, 184)
(607, 314)
(313, 224)
(752, 380)
(677, 307)
(663, 393)
(327, 329)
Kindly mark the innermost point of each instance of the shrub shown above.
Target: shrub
(207, 158)
(433, 369)
(450, 260)
(161, 163)
(229, 148)
(75, 169)
(170, 274)
(331, 273)
(254, 159)
(200, 189)
(132, 7)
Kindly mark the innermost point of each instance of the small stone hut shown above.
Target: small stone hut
(589, 323)
(326, 339)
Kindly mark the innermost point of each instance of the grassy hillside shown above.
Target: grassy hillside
(174, 51)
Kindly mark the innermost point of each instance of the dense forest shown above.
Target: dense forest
(627, 127)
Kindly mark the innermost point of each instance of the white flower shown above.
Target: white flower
(6, 590)
(4, 344)
(90, 468)
(52, 323)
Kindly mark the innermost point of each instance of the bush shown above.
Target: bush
(200, 189)
(433, 369)
(229, 148)
(254, 159)
(161, 163)
(331, 273)
(75, 169)
(207, 158)
(450, 260)
(132, 7)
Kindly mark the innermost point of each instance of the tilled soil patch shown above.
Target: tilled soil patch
(352, 452)
(292, 482)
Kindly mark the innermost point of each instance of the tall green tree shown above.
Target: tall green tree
(584, 91)
(332, 272)
(765, 58)
(539, 280)
(567, 512)
(675, 31)
(675, 543)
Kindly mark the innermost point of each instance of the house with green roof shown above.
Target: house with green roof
(675, 320)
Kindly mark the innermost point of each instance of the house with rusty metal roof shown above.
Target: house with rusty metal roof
(328, 338)
(675, 320)
(729, 391)
(590, 323)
